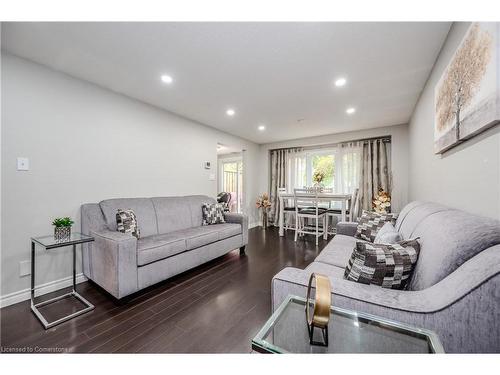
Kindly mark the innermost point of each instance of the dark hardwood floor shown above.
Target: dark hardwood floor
(215, 308)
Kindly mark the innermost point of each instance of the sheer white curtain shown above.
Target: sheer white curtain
(347, 167)
(297, 171)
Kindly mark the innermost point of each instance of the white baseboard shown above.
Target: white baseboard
(253, 225)
(52, 286)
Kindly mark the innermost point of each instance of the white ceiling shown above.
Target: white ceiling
(270, 73)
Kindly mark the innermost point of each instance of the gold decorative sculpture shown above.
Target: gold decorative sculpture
(320, 308)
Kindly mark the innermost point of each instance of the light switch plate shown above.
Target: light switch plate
(25, 268)
(23, 164)
(211, 176)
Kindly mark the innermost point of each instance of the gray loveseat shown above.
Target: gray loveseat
(454, 290)
(172, 241)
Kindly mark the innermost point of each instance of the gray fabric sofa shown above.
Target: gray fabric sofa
(455, 287)
(172, 241)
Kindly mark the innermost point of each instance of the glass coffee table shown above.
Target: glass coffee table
(348, 332)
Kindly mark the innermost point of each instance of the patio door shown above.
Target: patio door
(232, 182)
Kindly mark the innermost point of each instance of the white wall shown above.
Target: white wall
(467, 176)
(86, 144)
(399, 156)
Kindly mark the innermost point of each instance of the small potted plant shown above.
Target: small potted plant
(263, 203)
(62, 228)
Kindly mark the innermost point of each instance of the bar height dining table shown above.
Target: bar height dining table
(323, 197)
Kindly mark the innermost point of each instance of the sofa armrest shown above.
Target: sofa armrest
(113, 262)
(347, 228)
(466, 279)
(242, 219)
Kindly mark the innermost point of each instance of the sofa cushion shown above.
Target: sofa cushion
(228, 230)
(178, 213)
(371, 222)
(153, 248)
(173, 214)
(388, 234)
(201, 236)
(195, 202)
(385, 265)
(449, 238)
(413, 214)
(338, 251)
(142, 207)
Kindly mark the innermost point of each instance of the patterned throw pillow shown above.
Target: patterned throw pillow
(213, 213)
(389, 266)
(126, 222)
(370, 223)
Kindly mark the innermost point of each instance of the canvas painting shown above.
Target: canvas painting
(467, 96)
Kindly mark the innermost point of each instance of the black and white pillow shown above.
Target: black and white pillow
(370, 223)
(213, 213)
(126, 222)
(386, 265)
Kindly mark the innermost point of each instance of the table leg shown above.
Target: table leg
(281, 217)
(343, 209)
(325, 227)
(32, 273)
(74, 268)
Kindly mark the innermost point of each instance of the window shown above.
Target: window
(340, 166)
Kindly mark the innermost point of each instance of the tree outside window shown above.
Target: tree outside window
(326, 165)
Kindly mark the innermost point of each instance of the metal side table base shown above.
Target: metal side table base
(47, 325)
(73, 293)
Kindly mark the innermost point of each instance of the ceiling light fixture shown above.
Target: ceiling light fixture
(262, 127)
(167, 79)
(340, 82)
(350, 110)
(230, 112)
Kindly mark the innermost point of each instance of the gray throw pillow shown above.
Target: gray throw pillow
(370, 223)
(388, 235)
(213, 213)
(388, 266)
(126, 222)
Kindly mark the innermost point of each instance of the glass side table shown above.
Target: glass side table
(348, 332)
(48, 243)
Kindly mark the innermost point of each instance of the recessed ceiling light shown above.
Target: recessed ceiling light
(340, 82)
(230, 112)
(262, 127)
(167, 79)
(350, 110)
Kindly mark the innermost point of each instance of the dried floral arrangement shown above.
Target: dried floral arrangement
(382, 202)
(318, 176)
(263, 201)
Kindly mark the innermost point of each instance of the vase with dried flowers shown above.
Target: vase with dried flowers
(318, 177)
(263, 202)
(382, 202)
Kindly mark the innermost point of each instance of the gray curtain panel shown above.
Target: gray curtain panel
(279, 176)
(375, 172)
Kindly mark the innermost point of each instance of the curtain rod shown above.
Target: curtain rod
(386, 138)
